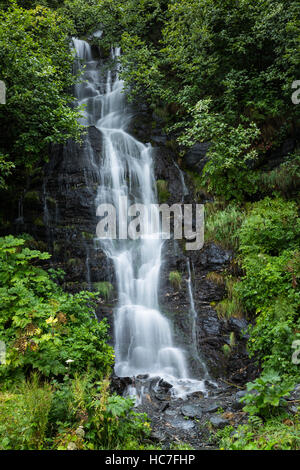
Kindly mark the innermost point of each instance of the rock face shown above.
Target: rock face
(196, 157)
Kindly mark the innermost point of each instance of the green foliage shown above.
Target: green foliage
(175, 279)
(223, 71)
(230, 153)
(231, 306)
(284, 179)
(270, 288)
(24, 416)
(272, 226)
(80, 411)
(104, 289)
(5, 170)
(162, 191)
(267, 393)
(221, 226)
(43, 326)
(36, 66)
(275, 434)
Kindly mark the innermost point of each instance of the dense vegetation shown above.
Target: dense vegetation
(217, 71)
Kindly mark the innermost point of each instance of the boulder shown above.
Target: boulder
(219, 422)
(192, 411)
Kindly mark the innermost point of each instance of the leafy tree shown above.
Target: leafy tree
(36, 65)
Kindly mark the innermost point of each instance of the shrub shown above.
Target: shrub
(24, 416)
(43, 326)
(275, 434)
(268, 392)
(104, 289)
(162, 191)
(175, 279)
(223, 226)
(272, 226)
(231, 306)
(277, 327)
(284, 179)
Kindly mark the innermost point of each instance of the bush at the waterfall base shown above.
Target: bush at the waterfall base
(44, 328)
(54, 394)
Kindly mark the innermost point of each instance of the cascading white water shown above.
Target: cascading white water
(143, 337)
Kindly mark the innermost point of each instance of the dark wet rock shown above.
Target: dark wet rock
(119, 384)
(143, 376)
(197, 395)
(162, 396)
(210, 385)
(212, 255)
(191, 411)
(295, 394)
(211, 326)
(165, 169)
(211, 408)
(158, 436)
(237, 406)
(218, 422)
(180, 423)
(164, 407)
(196, 157)
(275, 157)
(172, 413)
(166, 386)
(293, 409)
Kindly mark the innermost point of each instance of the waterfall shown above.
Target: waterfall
(143, 336)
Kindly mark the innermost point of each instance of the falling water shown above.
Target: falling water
(194, 322)
(143, 337)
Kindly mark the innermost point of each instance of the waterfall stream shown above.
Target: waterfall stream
(143, 336)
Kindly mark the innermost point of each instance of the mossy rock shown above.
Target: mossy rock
(32, 197)
(73, 261)
(51, 201)
(39, 222)
(87, 235)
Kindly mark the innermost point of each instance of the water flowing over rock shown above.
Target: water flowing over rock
(143, 336)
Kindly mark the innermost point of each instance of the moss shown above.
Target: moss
(56, 247)
(39, 222)
(104, 289)
(175, 279)
(32, 197)
(226, 350)
(216, 278)
(162, 191)
(73, 261)
(51, 201)
(87, 235)
(228, 308)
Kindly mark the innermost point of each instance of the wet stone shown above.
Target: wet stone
(211, 408)
(219, 422)
(192, 411)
